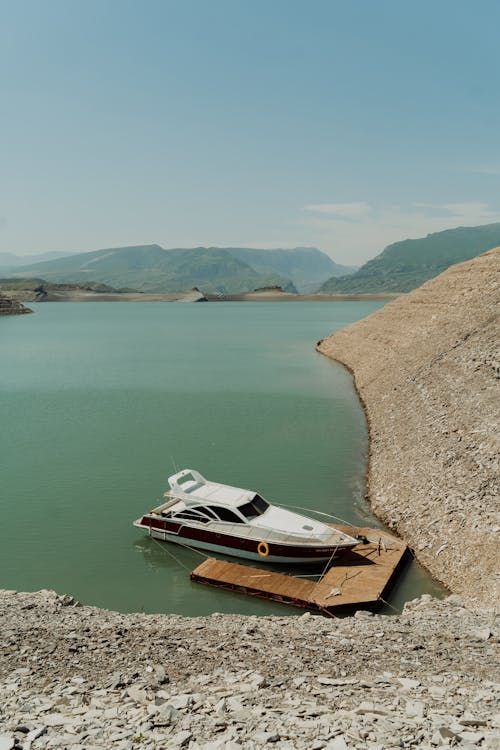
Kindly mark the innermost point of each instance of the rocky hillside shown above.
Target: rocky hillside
(9, 306)
(86, 679)
(426, 367)
(406, 265)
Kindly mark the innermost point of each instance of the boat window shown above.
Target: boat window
(255, 507)
(209, 511)
(191, 515)
(225, 514)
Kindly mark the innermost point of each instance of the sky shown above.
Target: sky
(343, 125)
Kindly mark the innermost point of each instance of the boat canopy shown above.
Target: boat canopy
(191, 487)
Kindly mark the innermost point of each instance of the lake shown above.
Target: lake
(101, 402)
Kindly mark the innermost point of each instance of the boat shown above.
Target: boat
(241, 523)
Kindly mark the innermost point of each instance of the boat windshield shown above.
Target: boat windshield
(254, 508)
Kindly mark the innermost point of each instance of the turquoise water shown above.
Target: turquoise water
(100, 401)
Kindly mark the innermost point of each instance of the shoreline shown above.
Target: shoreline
(423, 368)
(257, 296)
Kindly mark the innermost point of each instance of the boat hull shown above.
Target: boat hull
(248, 549)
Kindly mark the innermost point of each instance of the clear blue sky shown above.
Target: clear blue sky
(343, 125)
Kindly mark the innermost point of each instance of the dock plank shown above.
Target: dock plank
(358, 578)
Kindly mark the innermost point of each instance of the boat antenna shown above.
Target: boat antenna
(173, 463)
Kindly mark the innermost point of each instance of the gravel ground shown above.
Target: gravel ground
(82, 678)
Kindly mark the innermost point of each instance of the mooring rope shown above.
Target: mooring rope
(171, 554)
(328, 564)
(186, 546)
(389, 605)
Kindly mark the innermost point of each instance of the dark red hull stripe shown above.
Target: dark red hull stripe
(226, 540)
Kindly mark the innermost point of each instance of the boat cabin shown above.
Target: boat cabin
(193, 498)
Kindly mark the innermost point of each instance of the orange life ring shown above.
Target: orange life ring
(263, 549)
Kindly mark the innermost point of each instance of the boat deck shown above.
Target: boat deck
(360, 577)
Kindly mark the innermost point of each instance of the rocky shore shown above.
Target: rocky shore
(86, 679)
(60, 294)
(10, 306)
(426, 368)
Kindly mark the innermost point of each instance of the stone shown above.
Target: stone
(456, 600)
(472, 737)
(166, 716)
(443, 736)
(437, 692)
(415, 709)
(408, 684)
(58, 720)
(7, 741)
(366, 707)
(137, 694)
(180, 739)
(480, 634)
(468, 720)
(34, 734)
(181, 702)
(338, 743)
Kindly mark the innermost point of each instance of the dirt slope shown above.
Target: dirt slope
(426, 368)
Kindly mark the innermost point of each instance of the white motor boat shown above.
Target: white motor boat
(233, 521)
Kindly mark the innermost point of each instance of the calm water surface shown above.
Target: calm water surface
(99, 401)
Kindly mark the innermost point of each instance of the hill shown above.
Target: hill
(151, 268)
(9, 261)
(405, 265)
(307, 267)
(426, 368)
(34, 284)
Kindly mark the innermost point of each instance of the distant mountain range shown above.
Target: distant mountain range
(10, 261)
(406, 265)
(151, 268)
(307, 267)
(401, 267)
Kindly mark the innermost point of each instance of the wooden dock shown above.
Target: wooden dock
(358, 579)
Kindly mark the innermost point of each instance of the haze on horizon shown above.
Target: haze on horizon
(340, 126)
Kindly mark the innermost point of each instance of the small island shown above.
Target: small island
(10, 306)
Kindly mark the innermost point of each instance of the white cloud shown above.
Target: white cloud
(476, 209)
(492, 170)
(353, 210)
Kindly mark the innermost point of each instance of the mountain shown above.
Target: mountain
(406, 265)
(9, 261)
(307, 267)
(151, 268)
